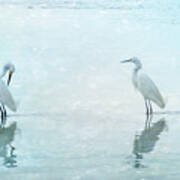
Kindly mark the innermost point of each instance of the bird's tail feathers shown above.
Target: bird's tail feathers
(17, 103)
(162, 103)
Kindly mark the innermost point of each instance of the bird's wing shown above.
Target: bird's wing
(149, 90)
(6, 97)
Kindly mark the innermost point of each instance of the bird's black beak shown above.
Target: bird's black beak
(9, 78)
(125, 61)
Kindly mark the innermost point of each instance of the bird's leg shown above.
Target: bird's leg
(150, 105)
(4, 109)
(2, 117)
(4, 114)
(147, 108)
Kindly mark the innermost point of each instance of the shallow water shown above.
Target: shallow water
(79, 116)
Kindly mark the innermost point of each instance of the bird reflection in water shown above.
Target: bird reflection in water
(6, 149)
(146, 141)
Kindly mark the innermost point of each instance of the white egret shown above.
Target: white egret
(145, 86)
(6, 98)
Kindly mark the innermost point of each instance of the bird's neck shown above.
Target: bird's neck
(136, 70)
(135, 76)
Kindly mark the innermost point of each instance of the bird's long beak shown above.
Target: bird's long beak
(9, 78)
(125, 61)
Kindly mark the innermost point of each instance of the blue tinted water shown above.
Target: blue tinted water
(79, 116)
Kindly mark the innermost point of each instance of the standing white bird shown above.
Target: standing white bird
(145, 86)
(6, 98)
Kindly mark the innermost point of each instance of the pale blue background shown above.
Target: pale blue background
(78, 112)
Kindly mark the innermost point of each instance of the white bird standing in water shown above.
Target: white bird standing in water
(6, 98)
(145, 86)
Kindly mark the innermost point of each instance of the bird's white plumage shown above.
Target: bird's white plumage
(6, 97)
(148, 89)
(145, 86)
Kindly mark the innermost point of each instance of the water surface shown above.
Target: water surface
(79, 116)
